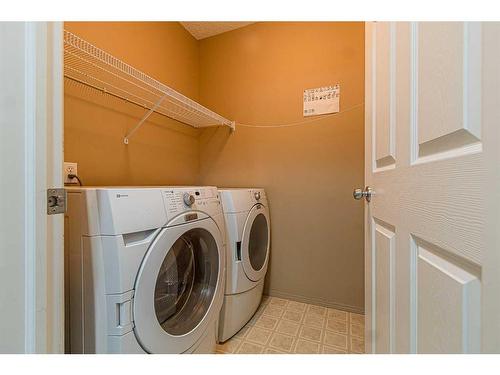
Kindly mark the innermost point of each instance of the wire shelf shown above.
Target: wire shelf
(91, 66)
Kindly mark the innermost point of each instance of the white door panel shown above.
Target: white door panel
(448, 302)
(427, 159)
(447, 62)
(384, 253)
(384, 98)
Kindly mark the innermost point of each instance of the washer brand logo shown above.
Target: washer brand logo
(121, 195)
(259, 206)
(189, 217)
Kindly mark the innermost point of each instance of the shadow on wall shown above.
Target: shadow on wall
(161, 152)
(216, 139)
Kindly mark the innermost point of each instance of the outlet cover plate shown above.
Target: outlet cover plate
(70, 168)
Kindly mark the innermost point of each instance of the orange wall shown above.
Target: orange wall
(161, 152)
(256, 75)
(253, 75)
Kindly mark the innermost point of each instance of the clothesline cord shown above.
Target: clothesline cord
(303, 121)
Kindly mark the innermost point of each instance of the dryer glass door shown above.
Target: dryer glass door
(186, 282)
(255, 243)
(258, 242)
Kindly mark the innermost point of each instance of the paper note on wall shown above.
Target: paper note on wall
(321, 100)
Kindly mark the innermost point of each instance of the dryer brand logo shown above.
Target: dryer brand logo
(121, 195)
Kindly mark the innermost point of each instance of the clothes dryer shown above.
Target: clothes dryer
(248, 229)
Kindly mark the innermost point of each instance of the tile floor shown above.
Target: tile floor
(284, 326)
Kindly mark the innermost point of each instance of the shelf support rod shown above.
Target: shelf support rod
(143, 120)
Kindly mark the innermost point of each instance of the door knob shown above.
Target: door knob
(360, 193)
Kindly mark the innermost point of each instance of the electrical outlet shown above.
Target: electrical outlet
(70, 168)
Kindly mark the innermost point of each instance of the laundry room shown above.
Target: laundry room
(205, 114)
(248, 181)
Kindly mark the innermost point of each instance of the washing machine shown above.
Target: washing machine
(246, 214)
(145, 269)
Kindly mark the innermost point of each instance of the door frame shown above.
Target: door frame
(44, 160)
(491, 115)
(33, 80)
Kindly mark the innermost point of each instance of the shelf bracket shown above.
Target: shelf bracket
(143, 120)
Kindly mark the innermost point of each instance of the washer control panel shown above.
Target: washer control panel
(179, 200)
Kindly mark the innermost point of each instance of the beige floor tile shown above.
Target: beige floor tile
(358, 330)
(250, 348)
(273, 351)
(229, 346)
(337, 314)
(325, 349)
(274, 311)
(280, 302)
(314, 320)
(337, 326)
(311, 333)
(296, 306)
(282, 326)
(258, 335)
(357, 318)
(294, 316)
(267, 322)
(335, 339)
(316, 310)
(306, 347)
(357, 345)
(281, 342)
(288, 328)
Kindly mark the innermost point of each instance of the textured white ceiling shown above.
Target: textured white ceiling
(202, 30)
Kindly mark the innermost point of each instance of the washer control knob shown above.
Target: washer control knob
(257, 195)
(188, 199)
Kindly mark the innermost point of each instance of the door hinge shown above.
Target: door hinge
(56, 201)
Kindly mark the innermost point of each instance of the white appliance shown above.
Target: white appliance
(146, 269)
(246, 213)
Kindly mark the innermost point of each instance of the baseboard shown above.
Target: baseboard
(315, 301)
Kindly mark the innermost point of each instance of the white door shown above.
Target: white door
(431, 239)
(31, 243)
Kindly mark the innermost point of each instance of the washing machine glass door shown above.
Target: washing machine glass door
(176, 287)
(255, 243)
